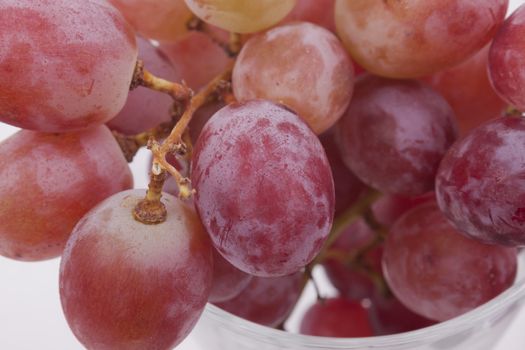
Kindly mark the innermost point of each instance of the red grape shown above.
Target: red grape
(228, 281)
(145, 108)
(337, 317)
(395, 133)
(264, 188)
(266, 301)
(163, 20)
(480, 185)
(65, 64)
(127, 285)
(49, 181)
(467, 89)
(196, 58)
(437, 272)
(411, 38)
(320, 12)
(506, 57)
(313, 76)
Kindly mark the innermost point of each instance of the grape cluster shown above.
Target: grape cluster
(368, 139)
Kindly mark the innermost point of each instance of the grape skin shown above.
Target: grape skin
(266, 301)
(49, 181)
(314, 75)
(320, 12)
(145, 108)
(65, 64)
(264, 188)
(336, 317)
(163, 20)
(241, 16)
(506, 57)
(468, 90)
(410, 39)
(437, 272)
(127, 285)
(480, 183)
(395, 133)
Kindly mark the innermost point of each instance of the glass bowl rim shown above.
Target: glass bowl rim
(440, 330)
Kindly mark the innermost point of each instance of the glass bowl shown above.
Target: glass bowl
(478, 329)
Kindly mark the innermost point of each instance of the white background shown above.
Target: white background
(30, 312)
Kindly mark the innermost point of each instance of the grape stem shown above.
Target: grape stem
(232, 47)
(151, 210)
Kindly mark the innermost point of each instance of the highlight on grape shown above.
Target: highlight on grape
(380, 142)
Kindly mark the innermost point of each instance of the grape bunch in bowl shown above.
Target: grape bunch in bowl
(322, 174)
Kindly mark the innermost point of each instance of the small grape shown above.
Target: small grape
(320, 12)
(49, 181)
(437, 272)
(337, 317)
(313, 76)
(266, 301)
(127, 285)
(228, 281)
(264, 188)
(241, 16)
(66, 64)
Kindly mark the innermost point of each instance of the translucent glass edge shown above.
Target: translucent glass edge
(247, 328)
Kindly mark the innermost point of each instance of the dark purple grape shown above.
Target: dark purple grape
(480, 185)
(264, 188)
(439, 273)
(395, 133)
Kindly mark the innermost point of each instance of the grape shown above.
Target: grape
(336, 317)
(320, 12)
(196, 58)
(395, 133)
(467, 89)
(266, 301)
(348, 188)
(480, 185)
(145, 108)
(127, 285)
(228, 281)
(264, 188)
(409, 39)
(313, 76)
(506, 58)
(49, 181)
(437, 272)
(389, 316)
(240, 16)
(65, 64)
(163, 20)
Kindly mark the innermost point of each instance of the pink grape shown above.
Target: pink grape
(127, 285)
(506, 58)
(348, 187)
(49, 181)
(389, 316)
(163, 20)
(301, 65)
(437, 272)
(467, 89)
(65, 64)
(410, 39)
(480, 183)
(320, 12)
(196, 58)
(266, 301)
(228, 281)
(240, 16)
(395, 133)
(264, 188)
(145, 108)
(337, 317)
